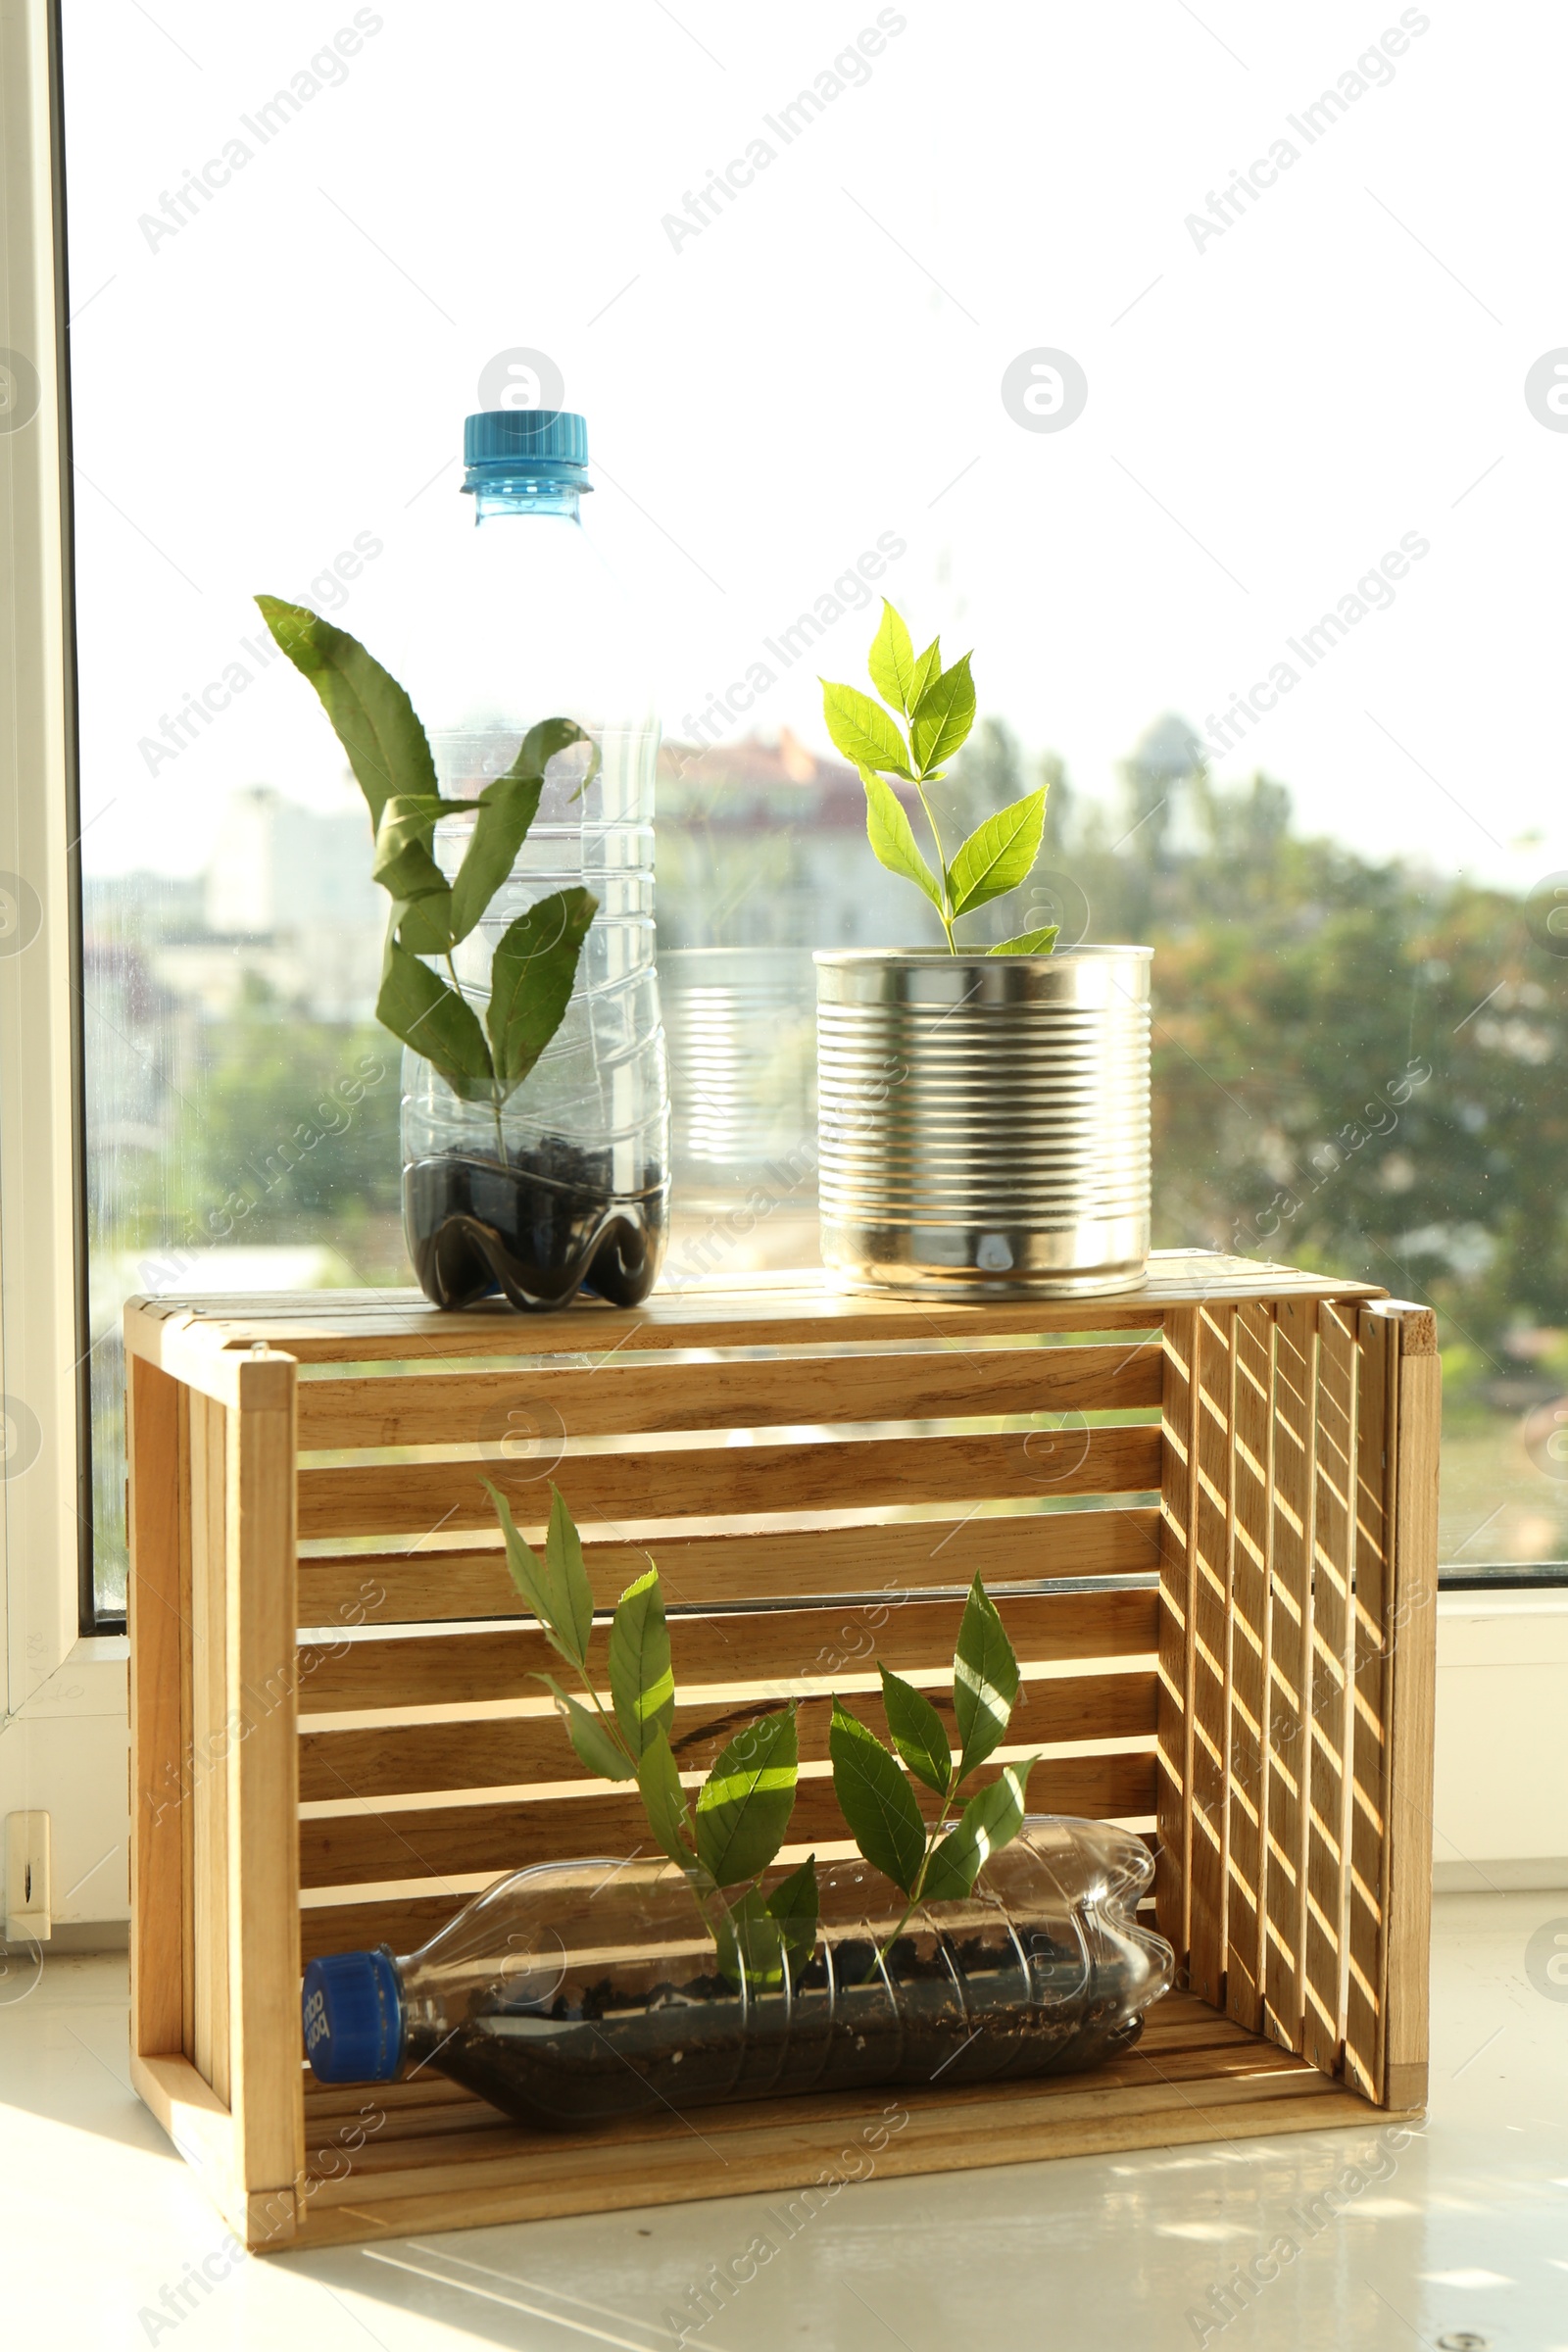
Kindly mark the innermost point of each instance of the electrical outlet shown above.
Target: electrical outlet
(27, 1894)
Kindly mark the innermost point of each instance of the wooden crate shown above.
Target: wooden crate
(1214, 1502)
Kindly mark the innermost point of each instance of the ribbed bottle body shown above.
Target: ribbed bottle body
(573, 1992)
(565, 1183)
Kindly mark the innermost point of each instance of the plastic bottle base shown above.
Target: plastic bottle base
(626, 2050)
(537, 1231)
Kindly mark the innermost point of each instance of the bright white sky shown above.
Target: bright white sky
(1342, 366)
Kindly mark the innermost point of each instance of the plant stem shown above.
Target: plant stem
(933, 1838)
(942, 867)
(697, 1879)
(694, 1871)
(702, 1888)
(611, 1726)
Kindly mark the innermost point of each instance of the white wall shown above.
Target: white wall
(1500, 1801)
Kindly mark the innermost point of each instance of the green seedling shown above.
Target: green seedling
(725, 1841)
(535, 961)
(922, 720)
(937, 1860)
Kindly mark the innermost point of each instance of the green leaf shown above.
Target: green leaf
(875, 1799)
(1028, 943)
(436, 1021)
(927, 668)
(918, 1732)
(744, 1806)
(541, 744)
(571, 1594)
(371, 716)
(665, 1801)
(891, 660)
(531, 979)
(891, 836)
(641, 1681)
(548, 1596)
(759, 1939)
(863, 730)
(991, 1820)
(998, 854)
(592, 1744)
(403, 866)
(985, 1680)
(506, 809)
(522, 1563)
(942, 717)
(796, 1903)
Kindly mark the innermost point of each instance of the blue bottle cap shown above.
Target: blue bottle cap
(549, 444)
(352, 2010)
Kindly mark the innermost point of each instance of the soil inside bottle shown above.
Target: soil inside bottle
(538, 1230)
(968, 2010)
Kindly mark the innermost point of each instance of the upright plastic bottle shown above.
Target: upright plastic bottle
(574, 1191)
(576, 1991)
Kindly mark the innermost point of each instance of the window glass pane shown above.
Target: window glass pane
(1228, 477)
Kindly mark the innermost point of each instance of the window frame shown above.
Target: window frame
(46, 1532)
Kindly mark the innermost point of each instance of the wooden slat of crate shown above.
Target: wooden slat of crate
(401, 1920)
(1252, 1475)
(1209, 1695)
(350, 1850)
(1178, 1535)
(1412, 1666)
(1367, 1894)
(182, 1765)
(1333, 1576)
(156, 1411)
(845, 1474)
(1290, 1666)
(429, 2105)
(717, 1650)
(408, 1760)
(1189, 2049)
(804, 1561)
(208, 1878)
(626, 1397)
(393, 1912)
(358, 1918)
(1186, 2086)
(780, 2161)
(768, 1311)
(405, 2148)
(261, 1791)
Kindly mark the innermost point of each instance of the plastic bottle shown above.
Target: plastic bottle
(576, 1991)
(537, 628)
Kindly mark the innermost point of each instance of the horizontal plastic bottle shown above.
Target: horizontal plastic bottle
(576, 1991)
(569, 1185)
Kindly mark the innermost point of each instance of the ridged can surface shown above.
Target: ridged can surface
(984, 1120)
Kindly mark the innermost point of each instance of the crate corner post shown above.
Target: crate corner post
(212, 1618)
(1414, 1423)
(260, 1766)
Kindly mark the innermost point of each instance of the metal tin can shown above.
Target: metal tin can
(984, 1120)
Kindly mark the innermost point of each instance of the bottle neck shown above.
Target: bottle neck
(520, 495)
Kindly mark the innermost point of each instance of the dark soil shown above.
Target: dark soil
(538, 1230)
(962, 2014)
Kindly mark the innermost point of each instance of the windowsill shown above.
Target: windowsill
(1508, 1600)
(1464, 2190)
(100, 1650)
